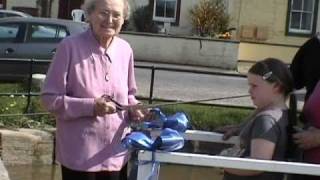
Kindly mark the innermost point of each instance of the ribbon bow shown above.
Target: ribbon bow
(169, 139)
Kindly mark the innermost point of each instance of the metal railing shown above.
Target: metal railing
(150, 98)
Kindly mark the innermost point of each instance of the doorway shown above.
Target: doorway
(66, 6)
(2, 4)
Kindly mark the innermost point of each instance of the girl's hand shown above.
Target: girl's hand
(228, 131)
(102, 107)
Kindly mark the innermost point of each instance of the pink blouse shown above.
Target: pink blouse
(312, 115)
(81, 71)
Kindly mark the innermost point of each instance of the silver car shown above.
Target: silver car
(11, 13)
(31, 38)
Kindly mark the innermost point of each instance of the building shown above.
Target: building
(44, 8)
(288, 22)
(282, 23)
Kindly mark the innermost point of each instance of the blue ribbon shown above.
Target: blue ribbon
(169, 139)
(179, 121)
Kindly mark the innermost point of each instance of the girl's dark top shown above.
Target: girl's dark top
(270, 125)
(305, 65)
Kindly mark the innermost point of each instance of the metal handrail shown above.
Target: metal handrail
(153, 69)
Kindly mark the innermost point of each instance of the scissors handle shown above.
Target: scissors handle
(119, 107)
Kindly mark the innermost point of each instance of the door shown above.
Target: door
(11, 37)
(66, 6)
(41, 43)
(2, 4)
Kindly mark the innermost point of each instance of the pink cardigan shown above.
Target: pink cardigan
(76, 76)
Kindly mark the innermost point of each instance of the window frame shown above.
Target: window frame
(20, 34)
(300, 32)
(56, 39)
(175, 20)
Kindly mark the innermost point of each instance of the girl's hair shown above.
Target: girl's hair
(90, 5)
(274, 71)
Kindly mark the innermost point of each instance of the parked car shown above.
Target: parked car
(31, 38)
(10, 13)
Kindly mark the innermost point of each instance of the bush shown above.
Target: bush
(208, 118)
(202, 117)
(209, 18)
(142, 19)
(12, 107)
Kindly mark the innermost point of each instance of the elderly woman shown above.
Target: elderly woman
(85, 69)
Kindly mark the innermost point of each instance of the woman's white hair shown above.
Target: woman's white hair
(90, 5)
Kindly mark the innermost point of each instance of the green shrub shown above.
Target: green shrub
(142, 18)
(207, 118)
(209, 17)
(202, 117)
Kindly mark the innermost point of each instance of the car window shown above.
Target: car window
(46, 33)
(2, 15)
(12, 15)
(8, 32)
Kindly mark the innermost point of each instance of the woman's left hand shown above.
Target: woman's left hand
(140, 114)
(307, 139)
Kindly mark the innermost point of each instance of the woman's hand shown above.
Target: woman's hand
(103, 107)
(307, 139)
(140, 114)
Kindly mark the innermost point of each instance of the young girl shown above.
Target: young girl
(264, 136)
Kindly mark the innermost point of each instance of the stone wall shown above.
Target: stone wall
(184, 50)
(3, 172)
(26, 146)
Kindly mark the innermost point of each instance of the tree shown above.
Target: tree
(209, 17)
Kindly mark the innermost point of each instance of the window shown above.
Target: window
(166, 11)
(2, 4)
(46, 33)
(302, 16)
(8, 32)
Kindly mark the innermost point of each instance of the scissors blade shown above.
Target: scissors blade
(146, 106)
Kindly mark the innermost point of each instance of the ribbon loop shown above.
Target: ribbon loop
(138, 141)
(169, 139)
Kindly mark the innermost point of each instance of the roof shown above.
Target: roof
(69, 23)
(22, 14)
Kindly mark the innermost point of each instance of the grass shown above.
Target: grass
(202, 117)
(207, 118)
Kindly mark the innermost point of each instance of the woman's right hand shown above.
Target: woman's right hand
(228, 131)
(103, 107)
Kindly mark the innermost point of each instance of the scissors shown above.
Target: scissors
(121, 107)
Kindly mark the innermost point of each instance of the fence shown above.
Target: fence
(144, 169)
(185, 158)
(30, 63)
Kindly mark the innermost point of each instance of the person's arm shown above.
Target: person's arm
(132, 86)
(264, 135)
(260, 149)
(54, 91)
(136, 115)
(296, 66)
(308, 139)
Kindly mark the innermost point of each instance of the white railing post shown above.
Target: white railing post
(145, 169)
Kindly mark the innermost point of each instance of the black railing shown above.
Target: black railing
(150, 99)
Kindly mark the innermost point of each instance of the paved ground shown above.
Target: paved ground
(186, 86)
